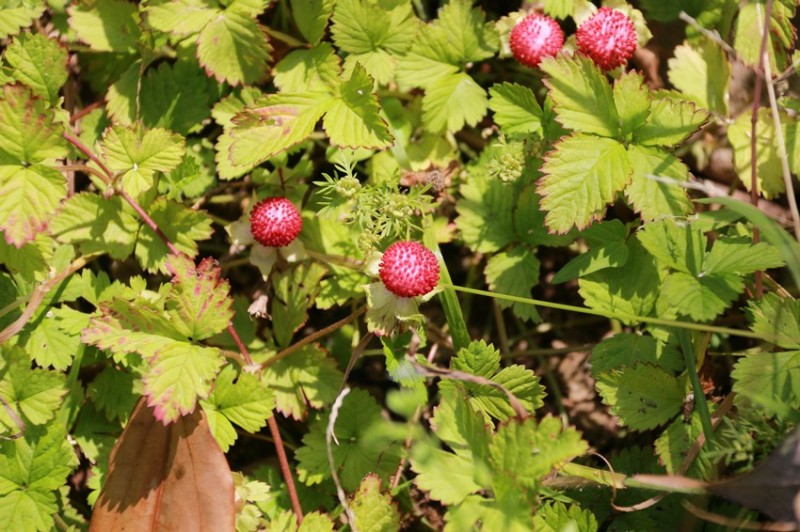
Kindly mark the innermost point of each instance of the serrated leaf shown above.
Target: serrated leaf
(353, 119)
(182, 226)
(516, 109)
(780, 37)
(295, 289)
(360, 448)
(582, 97)
(97, 225)
(233, 48)
(115, 393)
(33, 394)
(311, 17)
(776, 317)
(181, 17)
(29, 131)
(514, 272)
(308, 378)
(768, 164)
(655, 189)
(702, 73)
(700, 298)
(47, 342)
(137, 154)
(107, 25)
(447, 477)
(673, 445)
(31, 469)
(680, 246)
(374, 511)
(199, 302)
(625, 349)
(19, 14)
(38, 62)
(642, 395)
(671, 120)
(555, 516)
(741, 256)
(632, 100)
(770, 380)
(582, 174)
(243, 399)
(312, 69)
(612, 255)
(453, 101)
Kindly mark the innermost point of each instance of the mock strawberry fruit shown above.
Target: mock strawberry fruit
(275, 222)
(535, 37)
(608, 38)
(409, 269)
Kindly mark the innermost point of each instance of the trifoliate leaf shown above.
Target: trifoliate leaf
(741, 256)
(630, 290)
(138, 153)
(583, 98)
(768, 164)
(583, 174)
(295, 289)
(427, 61)
(780, 37)
(38, 62)
(702, 73)
(701, 298)
(770, 380)
(33, 394)
(557, 517)
(308, 378)
(271, 126)
(625, 349)
(182, 225)
(115, 392)
(361, 447)
(353, 118)
(374, 511)
(655, 190)
(29, 192)
(233, 48)
(199, 303)
(514, 272)
(632, 100)
(181, 17)
(31, 469)
(452, 101)
(515, 109)
(107, 25)
(679, 246)
(311, 17)
(777, 318)
(642, 395)
(17, 14)
(178, 373)
(97, 225)
(302, 70)
(671, 120)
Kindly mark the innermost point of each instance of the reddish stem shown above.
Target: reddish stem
(287, 472)
(92, 157)
(242, 348)
(85, 111)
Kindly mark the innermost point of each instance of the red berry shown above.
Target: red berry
(535, 37)
(409, 269)
(275, 222)
(608, 38)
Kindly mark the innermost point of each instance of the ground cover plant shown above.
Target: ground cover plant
(392, 264)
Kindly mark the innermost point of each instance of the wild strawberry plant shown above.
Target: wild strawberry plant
(382, 264)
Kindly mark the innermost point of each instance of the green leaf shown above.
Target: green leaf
(582, 174)
(770, 380)
(446, 477)
(776, 317)
(632, 100)
(655, 190)
(31, 469)
(311, 17)
(38, 62)
(199, 303)
(18, 14)
(361, 447)
(555, 516)
(700, 298)
(768, 164)
(514, 272)
(515, 108)
(137, 154)
(681, 246)
(740, 256)
(46, 340)
(671, 120)
(625, 349)
(559, 9)
(29, 192)
(273, 125)
(312, 69)
(115, 392)
(353, 119)
(233, 48)
(107, 25)
(97, 225)
(702, 74)
(182, 226)
(33, 394)
(780, 37)
(295, 289)
(308, 378)
(452, 101)
(642, 395)
(181, 17)
(612, 255)
(374, 511)
(583, 98)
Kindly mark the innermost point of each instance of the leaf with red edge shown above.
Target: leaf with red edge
(166, 478)
(199, 301)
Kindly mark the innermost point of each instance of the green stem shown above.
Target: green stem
(697, 388)
(288, 39)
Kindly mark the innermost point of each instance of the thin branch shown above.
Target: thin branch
(330, 436)
(148, 220)
(92, 157)
(242, 348)
(285, 469)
